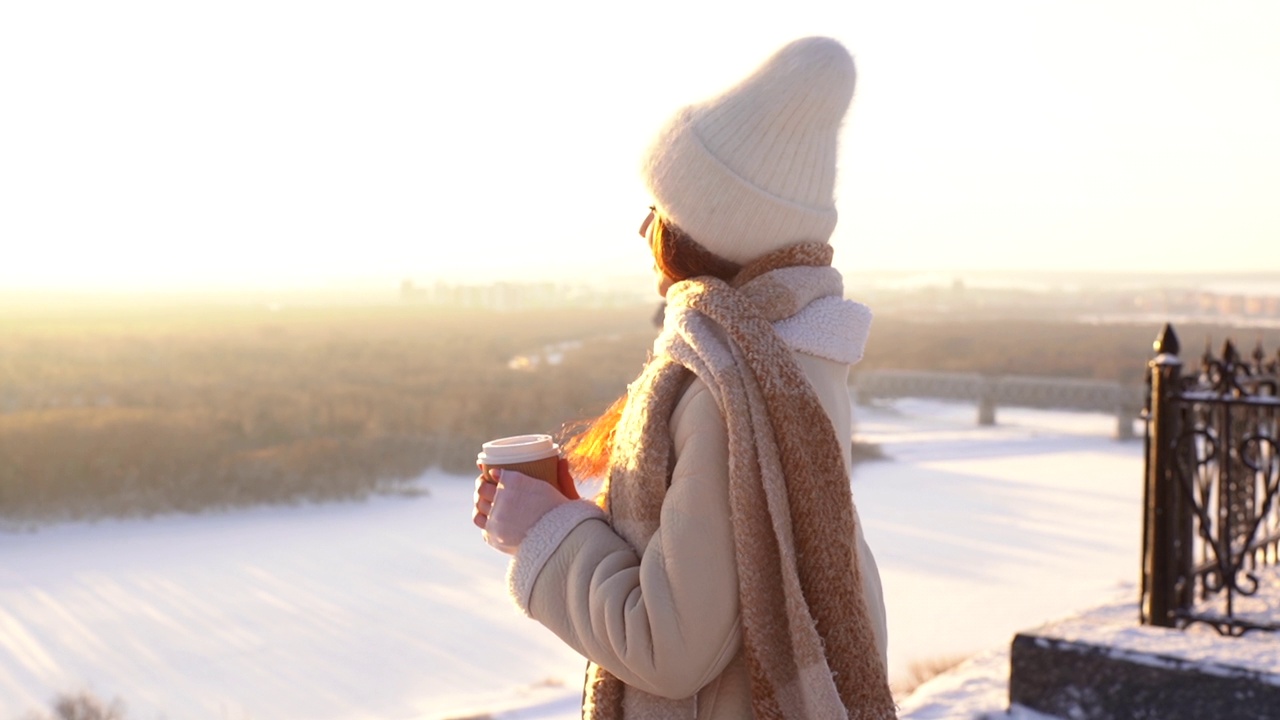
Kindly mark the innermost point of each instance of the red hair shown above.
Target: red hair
(678, 257)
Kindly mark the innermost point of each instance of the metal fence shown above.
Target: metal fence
(1211, 518)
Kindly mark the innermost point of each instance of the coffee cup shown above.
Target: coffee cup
(537, 456)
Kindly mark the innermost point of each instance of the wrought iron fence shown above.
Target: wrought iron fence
(1211, 519)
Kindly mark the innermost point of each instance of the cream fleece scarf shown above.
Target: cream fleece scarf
(807, 635)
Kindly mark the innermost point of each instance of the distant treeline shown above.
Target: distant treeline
(141, 411)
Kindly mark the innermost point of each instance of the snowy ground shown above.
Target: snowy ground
(393, 608)
(978, 688)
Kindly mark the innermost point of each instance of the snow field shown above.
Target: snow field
(394, 607)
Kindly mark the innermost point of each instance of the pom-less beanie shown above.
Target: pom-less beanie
(753, 170)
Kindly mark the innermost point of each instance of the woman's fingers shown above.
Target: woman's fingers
(564, 481)
(482, 500)
(483, 509)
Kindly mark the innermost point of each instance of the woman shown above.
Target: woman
(723, 573)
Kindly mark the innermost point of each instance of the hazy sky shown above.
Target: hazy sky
(181, 144)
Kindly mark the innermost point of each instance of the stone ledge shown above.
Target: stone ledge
(1081, 680)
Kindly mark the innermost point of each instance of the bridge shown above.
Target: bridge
(991, 391)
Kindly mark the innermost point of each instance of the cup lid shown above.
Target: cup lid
(518, 449)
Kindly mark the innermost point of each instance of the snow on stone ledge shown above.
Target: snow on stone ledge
(978, 688)
(1116, 626)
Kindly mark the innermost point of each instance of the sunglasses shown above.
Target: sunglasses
(648, 221)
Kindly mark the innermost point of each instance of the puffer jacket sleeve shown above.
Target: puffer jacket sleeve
(666, 620)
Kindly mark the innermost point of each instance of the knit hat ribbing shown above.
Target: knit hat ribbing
(753, 169)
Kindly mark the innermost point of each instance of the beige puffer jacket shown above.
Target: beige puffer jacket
(667, 622)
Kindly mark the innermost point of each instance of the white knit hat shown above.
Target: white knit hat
(753, 170)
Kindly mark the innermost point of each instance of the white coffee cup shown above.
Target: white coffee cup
(537, 456)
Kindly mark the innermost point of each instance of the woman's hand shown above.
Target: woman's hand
(508, 504)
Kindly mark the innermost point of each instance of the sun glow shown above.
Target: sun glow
(148, 145)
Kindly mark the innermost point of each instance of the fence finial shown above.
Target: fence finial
(1167, 341)
(1229, 352)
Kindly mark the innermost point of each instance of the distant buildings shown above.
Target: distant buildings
(1209, 303)
(505, 296)
(1118, 300)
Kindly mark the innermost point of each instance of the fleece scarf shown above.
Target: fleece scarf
(807, 634)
